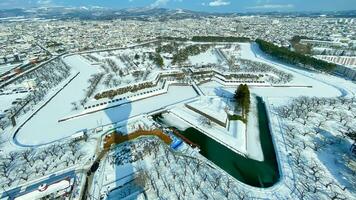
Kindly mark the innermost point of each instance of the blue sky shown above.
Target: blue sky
(199, 5)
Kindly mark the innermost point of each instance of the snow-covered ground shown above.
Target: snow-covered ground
(213, 107)
(7, 67)
(317, 146)
(6, 100)
(323, 85)
(233, 137)
(32, 132)
(313, 131)
(53, 188)
(205, 58)
(159, 172)
(45, 122)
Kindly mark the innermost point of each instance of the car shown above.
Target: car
(42, 187)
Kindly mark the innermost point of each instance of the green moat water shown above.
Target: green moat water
(249, 171)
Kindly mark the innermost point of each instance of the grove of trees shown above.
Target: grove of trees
(183, 54)
(157, 59)
(167, 48)
(294, 58)
(18, 167)
(46, 77)
(123, 90)
(313, 128)
(259, 67)
(171, 175)
(219, 39)
(298, 47)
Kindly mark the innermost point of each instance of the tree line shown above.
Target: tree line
(183, 54)
(168, 48)
(208, 39)
(219, 39)
(182, 39)
(131, 88)
(295, 58)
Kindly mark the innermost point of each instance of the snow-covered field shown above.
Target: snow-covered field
(205, 58)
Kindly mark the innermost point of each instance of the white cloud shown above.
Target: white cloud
(272, 6)
(263, 1)
(159, 3)
(44, 2)
(219, 3)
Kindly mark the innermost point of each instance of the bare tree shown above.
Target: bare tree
(141, 179)
(204, 121)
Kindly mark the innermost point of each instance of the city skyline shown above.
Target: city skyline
(195, 5)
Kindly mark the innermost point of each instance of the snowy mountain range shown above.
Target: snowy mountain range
(144, 13)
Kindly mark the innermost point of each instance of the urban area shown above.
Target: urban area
(179, 105)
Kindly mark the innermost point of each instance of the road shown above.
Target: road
(19, 191)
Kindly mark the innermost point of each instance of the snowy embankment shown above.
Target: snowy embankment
(234, 136)
(253, 142)
(36, 132)
(212, 107)
(173, 120)
(231, 139)
(329, 86)
(323, 85)
(39, 129)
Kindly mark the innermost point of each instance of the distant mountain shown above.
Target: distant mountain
(100, 13)
(97, 13)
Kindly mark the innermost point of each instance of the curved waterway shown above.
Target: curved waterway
(249, 171)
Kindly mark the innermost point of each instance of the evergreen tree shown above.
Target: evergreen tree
(242, 97)
(294, 58)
